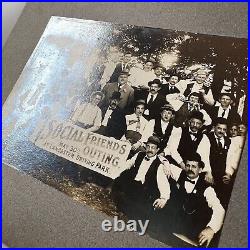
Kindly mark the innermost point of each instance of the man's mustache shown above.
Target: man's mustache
(190, 172)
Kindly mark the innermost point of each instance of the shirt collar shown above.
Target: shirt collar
(190, 131)
(195, 179)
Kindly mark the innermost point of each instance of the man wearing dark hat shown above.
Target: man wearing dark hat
(162, 127)
(220, 144)
(136, 125)
(191, 140)
(154, 100)
(193, 209)
(193, 103)
(142, 186)
(113, 122)
(122, 86)
(224, 109)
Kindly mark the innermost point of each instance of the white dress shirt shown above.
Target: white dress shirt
(132, 124)
(150, 95)
(234, 154)
(162, 181)
(164, 126)
(139, 77)
(222, 140)
(107, 116)
(88, 114)
(213, 202)
(221, 110)
(203, 149)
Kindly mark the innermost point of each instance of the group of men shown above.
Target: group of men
(185, 146)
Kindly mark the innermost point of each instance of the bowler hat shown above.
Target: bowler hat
(155, 81)
(167, 107)
(116, 95)
(154, 140)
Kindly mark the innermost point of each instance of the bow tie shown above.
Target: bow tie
(146, 158)
(194, 134)
(188, 180)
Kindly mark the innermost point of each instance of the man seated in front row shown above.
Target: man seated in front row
(194, 209)
(143, 185)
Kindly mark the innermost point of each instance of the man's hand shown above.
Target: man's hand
(136, 145)
(209, 178)
(226, 178)
(182, 165)
(166, 167)
(206, 236)
(159, 203)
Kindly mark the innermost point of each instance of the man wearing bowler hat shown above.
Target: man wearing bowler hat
(162, 127)
(154, 100)
(189, 140)
(193, 209)
(113, 122)
(142, 186)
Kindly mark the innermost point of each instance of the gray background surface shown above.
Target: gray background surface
(36, 215)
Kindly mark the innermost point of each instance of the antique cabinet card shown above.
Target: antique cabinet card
(146, 125)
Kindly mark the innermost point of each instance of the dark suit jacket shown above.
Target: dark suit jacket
(165, 90)
(155, 106)
(127, 96)
(181, 115)
(218, 156)
(116, 126)
(233, 116)
(118, 69)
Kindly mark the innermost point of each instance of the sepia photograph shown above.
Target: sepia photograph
(142, 124)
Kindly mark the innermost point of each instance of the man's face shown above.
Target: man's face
(195, 124)
(166, 115)
(154, 88)
(194, 99)
(220, 130)
(193, 169)
(158, 71)
(148, 66)
(173, 80)
(114, 103)
(96, 99)
(123, 79)
(139, 109)
(233, 131)
(127, 58)
(225, 101)
(151, 149)
(242, 130)
(201, 78)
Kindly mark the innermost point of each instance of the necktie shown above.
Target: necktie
(188, 180)
(146, 158)
(194, 136)
(223, 113)
(171, 90)
(138, 124)
(219, 143)
(151, 100)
